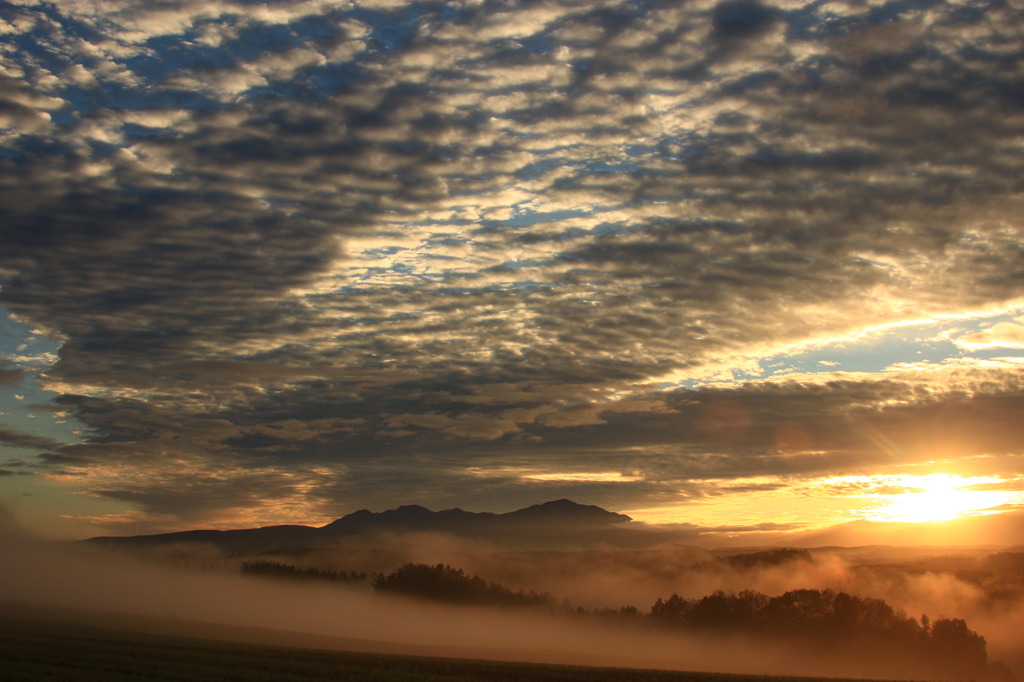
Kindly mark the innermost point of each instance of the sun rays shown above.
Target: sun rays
(933, 498)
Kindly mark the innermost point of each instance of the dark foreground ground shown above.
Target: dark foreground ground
(36, 645)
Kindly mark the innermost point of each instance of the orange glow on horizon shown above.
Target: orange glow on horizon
(820, 503)
(935, 498)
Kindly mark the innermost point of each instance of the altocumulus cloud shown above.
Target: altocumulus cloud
(308, 256)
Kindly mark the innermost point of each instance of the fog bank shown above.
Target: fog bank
(82, 578)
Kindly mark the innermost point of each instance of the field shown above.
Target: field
(35, 647)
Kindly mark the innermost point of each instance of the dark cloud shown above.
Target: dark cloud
(11, 376)
(736, 19)
(414, 254)
(19, 439)
(216, 494)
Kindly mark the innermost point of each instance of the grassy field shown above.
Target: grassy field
(33, 648)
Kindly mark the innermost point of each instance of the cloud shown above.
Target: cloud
(740, 19)
(19, 439)
(400, 236)
(24, 111)
(693, 445)
(11, 376)
(1001, 335)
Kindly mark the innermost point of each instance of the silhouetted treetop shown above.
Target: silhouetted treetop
(836, 620)
(278, 570)
(444, 583)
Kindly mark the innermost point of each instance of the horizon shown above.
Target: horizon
(956, 533)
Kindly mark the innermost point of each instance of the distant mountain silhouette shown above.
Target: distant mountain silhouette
(997, 530)
(559, 520)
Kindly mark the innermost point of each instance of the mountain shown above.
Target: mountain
(550, 522)
(1006, 529)
(539, 517)
(564, 512)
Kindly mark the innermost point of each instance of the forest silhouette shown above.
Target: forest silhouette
(840, 624)
(276, 569)
(837, 624)
(447, 584)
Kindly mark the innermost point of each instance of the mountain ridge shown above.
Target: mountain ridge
(546, 520)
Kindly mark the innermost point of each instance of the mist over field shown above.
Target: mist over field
(940, 582)
(185, 585)
(90, 579)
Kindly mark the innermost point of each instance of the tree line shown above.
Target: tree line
(444, 583)
(834, 623)
(274, 569)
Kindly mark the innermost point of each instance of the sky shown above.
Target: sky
(745, 264)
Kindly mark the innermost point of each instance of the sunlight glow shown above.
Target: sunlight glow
(930, 498)
(742, 505)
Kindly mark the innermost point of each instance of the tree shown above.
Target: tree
(671, 612)
(444, 583)
(957, 649)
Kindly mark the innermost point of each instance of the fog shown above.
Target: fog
(185, 585)
(78, 578)
(596, 579)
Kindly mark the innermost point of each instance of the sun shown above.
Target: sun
(938, 498)
(935, 498)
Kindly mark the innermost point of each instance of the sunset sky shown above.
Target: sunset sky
(746, 265)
